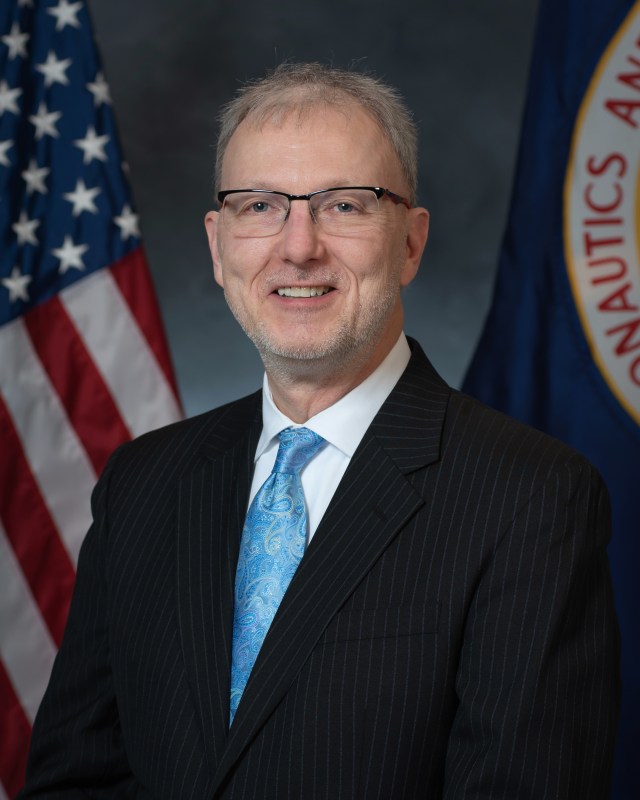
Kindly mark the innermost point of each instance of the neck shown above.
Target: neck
(303, 389)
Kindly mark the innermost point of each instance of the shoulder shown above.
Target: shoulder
(486, 446)
(484, 428)
(482, 447)
(478, 432)
(171, 450)
(467, 425)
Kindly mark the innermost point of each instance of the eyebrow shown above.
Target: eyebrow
(260, 184)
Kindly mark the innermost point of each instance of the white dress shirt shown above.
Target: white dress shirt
(342, 425)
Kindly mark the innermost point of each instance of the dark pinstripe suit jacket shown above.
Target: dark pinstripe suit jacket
(449, 631)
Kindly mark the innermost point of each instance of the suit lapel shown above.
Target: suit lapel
(374, 501)
(212, 506)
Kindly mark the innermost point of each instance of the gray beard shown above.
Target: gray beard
(346, 351)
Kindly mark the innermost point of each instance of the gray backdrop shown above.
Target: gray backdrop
(462, 67)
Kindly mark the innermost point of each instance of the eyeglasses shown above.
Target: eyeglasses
(341, 211)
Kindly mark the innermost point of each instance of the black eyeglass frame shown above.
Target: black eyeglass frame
(379, 192)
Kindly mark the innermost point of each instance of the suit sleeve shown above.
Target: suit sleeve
(76, 747)
(538, 675)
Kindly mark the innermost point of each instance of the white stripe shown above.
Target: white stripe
(121, 352)
(57, 459)
(3, 796)
(26, 648)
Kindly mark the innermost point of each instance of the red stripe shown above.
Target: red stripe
(15, 731)
(132, 276)
(76, 379)
(31, 531)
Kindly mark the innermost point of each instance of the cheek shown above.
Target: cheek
(241, 262)
(381, 271)
(364, 260)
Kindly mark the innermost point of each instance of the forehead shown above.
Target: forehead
(310, 148)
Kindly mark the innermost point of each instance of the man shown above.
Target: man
(448, 631)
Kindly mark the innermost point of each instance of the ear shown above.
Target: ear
(417, 233)
(211, 223)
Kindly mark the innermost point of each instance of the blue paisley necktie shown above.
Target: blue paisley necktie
(273, 541)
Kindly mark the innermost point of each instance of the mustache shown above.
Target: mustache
(309, 276)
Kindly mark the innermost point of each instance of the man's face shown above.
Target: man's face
(359, 319)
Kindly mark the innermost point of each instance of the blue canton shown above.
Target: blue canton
(65, 208)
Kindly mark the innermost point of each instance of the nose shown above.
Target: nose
(301, 240)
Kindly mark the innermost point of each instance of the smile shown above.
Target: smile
(303, 291)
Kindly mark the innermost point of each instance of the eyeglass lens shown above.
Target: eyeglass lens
(342, 211)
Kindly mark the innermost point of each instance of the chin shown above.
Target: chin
(345, 345)
(306, 352)
(303, 351)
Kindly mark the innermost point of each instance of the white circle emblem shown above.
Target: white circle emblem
(602, 214)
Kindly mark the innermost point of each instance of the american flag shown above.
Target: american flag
(84, 364)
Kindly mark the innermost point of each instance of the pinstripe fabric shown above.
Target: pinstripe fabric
(448, 633)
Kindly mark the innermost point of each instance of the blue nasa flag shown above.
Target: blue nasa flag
(561, 345)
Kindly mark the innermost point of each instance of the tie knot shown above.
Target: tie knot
(297, 447)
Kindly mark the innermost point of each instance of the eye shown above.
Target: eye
(252, 206)
(330, 205)
(341, 203)
(256, 204)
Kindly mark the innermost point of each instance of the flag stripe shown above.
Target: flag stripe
(44, 561)
(15, 731)
(55, 455)
(84, 363)
(28, 658)
(79, 385)
(134, 281)
(112, 335)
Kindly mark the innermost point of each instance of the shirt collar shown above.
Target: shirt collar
(344, 423)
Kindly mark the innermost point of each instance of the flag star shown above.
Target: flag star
(4, 146)
(92, 146)
(54, 69)
(66, 14)
(8, 98)
(17, 285)
(70, 255)
(100, 90)
(25, 229)
(128, 223)
(34, 177)
(45, 122)
(82, 199)
(16, 41)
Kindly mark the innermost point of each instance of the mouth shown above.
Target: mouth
(303, 291)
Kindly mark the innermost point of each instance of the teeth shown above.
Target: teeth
(303, 291)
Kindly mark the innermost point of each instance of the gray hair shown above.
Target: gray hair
(302, 87)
